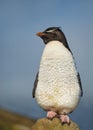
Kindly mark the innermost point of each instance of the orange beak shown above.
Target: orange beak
(40, 34)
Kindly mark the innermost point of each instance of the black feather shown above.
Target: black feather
(35, 85)
(79, 81)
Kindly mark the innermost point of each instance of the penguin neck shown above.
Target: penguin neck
(58, 43)
(55, 44)
(55, 48)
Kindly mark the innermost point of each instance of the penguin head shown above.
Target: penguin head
(53, 34)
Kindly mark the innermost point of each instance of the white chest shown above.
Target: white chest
(57, 64)
(58, 84)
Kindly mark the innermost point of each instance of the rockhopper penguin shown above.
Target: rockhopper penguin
(57, 87)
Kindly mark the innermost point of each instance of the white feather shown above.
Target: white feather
(58, 87)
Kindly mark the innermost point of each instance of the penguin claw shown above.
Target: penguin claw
(65, 119)
(51, 114)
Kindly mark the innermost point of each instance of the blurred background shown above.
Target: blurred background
(21, 50)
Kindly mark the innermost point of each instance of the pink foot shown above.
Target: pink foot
(65, 119)
(51, 114)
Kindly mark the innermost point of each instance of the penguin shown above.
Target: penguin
(57, 87)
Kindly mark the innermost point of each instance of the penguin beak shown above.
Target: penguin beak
(40, 34)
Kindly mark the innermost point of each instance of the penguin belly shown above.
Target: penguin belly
(58, 88)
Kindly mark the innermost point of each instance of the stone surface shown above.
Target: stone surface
(54, 124)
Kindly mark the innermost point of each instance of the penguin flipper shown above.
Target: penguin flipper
(79, 81)
(35, 85)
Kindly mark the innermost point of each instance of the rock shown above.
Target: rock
(54, 124)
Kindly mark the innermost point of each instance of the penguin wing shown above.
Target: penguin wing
(35, 85)
(79, 81)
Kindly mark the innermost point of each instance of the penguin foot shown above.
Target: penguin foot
(64, 119)
(51, 114)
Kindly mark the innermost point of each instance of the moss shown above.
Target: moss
(55, 124)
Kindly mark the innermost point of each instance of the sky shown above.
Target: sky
(21, 50)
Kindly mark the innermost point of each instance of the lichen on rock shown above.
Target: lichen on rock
(54, 124)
